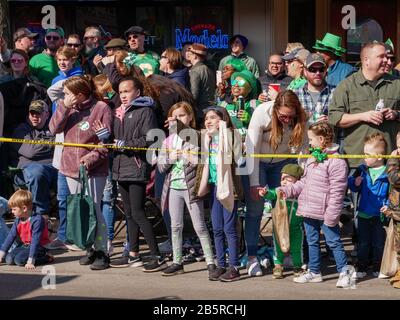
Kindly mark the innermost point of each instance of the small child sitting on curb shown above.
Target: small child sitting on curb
(291, 173)
(32, 230)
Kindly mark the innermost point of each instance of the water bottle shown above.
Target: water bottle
(318, 112)
(380, 106)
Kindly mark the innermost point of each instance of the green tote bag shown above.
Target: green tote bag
(81, 215)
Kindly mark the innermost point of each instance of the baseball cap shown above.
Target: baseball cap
(115, 43)
(299, 54)
(38, 106)
(58, 30)
(314, 58)
(22, 33)
(293, 170)
(135, 30)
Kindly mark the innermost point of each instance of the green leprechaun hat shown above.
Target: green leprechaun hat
(331, 43)
(389, 45)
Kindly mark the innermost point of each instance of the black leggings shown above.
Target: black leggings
(134, 196)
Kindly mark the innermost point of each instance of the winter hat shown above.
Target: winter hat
(293, 170)
(250, 78)
(237, 64)
(242, 38)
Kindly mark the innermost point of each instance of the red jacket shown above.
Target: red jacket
(77, 124)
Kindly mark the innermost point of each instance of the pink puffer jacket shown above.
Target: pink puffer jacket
(321, 190)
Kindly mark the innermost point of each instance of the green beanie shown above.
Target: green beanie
(250, 78)
(293, 170)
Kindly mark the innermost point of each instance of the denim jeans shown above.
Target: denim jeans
(270, 174)
(39, 178)
(62, 194)
(332, 237)
(108, 205)
(20, 255)
(224, 228)
(371, 236)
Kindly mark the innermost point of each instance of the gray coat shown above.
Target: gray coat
(202, 85)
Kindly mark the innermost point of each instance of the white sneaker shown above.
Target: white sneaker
(308, 276)
(110, 247)
(73, 247)
(346, 279)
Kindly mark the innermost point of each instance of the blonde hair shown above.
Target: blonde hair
(67, 52)
(102, 84)
(188, 109)
(20, 199)
(323, 129)
(377, 140)
(294, 45)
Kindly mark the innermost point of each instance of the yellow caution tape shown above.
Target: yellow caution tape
(259, 156)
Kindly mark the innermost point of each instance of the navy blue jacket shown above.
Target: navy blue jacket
(181, 76)
(372, 196)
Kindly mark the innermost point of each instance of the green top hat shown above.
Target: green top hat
(331, 43)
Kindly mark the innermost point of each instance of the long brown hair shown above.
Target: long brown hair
(290, 100)
(82, 84)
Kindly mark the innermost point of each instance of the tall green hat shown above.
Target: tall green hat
(331, 43)
(389, 45)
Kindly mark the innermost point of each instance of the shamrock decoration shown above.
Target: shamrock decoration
(130, 60)
(318, 154)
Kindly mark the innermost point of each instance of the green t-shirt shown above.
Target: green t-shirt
(148, 64)
(375, 173)
(178, 181)
(44, 67)
(213, 159)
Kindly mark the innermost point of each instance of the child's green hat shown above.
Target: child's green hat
(293, 170)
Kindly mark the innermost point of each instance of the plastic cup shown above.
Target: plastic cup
(275, 86)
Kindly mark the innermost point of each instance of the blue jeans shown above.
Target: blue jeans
(108, 208)
(20, 255)
(371, 236)
(270, 174)
(39, 178)
(332, 237)
(224, 227)
(62, 194)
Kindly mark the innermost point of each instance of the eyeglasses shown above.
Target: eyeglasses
(73, 45)
(88, 37)
(240, 83)
(133, 36)
(285, 116)
(315, 70)
(17, 60)
(276, 63)
(54, 38)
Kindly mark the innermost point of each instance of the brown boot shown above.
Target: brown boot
(396, 278)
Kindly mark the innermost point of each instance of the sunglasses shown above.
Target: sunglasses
(55, 38)
(88, 37)
(134, 36)
(391, 58)
(73, 45)
(17, 60)
(315, 70)
(241, 83)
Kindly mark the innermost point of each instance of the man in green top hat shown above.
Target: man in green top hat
(331, 49)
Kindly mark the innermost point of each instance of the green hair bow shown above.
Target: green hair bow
(130, 60)
(318, 154)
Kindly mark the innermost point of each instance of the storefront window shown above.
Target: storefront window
(366, 31)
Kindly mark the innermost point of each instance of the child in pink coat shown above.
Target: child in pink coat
(320, 195)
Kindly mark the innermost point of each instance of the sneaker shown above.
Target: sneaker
(56, 244)
(308, 276)
(297, 272)
(216, 274)
(155, 265)
(173, 270)
(165, 247)
(101, 262)
(125, 262)
(231, 274)
(360, 275)
(254, 269)
(89, 258)
(110, 247)
(277, 273)
(73, 247)
(346, 280)
(376, 274)
(211, 268)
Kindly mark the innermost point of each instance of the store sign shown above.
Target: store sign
(209, 35)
